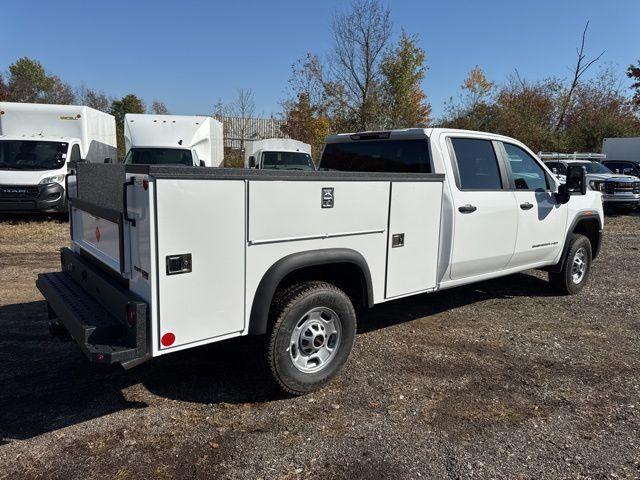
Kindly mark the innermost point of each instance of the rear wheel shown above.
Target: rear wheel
(576, 267)
(313, 331)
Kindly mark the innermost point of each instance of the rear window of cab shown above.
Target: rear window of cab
(406, 156)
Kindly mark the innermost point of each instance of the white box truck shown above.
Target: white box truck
(173, 140)
(36, 143)
(278, 154)
(155, 272)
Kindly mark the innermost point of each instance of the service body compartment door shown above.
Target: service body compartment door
(203, 297)
(414, 231)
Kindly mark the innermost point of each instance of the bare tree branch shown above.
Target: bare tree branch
(579, 70)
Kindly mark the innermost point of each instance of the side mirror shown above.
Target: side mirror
(252, 162)
(202, 163)
(107, 160)
(576, 180)
(575, 184)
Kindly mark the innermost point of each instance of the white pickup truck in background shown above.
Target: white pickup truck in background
(278, 154)
(173, 140)
(289, 254)
(36, 143)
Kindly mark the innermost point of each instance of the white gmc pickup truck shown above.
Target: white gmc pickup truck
(165, 258)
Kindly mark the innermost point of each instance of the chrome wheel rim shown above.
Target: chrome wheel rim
(579, 265)
(315, 340)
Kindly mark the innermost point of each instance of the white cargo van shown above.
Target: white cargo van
(173, 140)
(278, 154)
(151, 272)
(36, 143)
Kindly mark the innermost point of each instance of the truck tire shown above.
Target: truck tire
(576, 267)
(313, 328)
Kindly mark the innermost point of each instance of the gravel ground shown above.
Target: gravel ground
(501, 379)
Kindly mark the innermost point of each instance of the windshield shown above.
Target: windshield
(287, 161)
(32, 155)
(158, 156)
(593, 167)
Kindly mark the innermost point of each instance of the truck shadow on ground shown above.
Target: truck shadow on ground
(47, 384)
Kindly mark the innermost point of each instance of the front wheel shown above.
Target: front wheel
(313, 331)
(576, 267)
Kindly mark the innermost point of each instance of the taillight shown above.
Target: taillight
(145, 184)
(168, 339)
(131, 315)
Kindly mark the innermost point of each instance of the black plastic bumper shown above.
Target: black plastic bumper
(40, 198)
(106, 320)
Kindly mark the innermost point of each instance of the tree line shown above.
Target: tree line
(371, 79)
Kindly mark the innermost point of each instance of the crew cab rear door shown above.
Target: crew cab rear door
(484, 208)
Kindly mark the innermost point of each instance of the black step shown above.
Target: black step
(99, 334)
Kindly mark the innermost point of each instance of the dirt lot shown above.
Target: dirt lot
(498, 380)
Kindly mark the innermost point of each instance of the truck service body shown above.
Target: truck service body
(287, 253)
(36, 143)
(173, 139)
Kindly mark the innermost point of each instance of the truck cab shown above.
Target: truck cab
(37, 142)
(278, 154)
(192, 141)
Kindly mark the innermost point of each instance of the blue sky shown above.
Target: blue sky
(188, 54)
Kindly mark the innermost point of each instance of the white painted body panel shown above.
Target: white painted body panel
(540, 230)
(209, 301)
(280, 211)
(412, 267)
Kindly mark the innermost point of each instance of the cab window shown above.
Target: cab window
(527, 173)
(477, 164)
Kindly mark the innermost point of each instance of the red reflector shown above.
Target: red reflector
(168, 339)
(131, 315)
(145, 184)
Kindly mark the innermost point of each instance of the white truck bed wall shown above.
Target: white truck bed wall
(274, 144)
(96, 130)
(236, 239)
(200, 133)
(625, 148)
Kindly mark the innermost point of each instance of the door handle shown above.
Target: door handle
(467, 208)
(526, 206)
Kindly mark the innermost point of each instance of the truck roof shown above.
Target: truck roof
(410, 133)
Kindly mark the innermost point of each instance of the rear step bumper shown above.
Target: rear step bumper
(106, 320)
